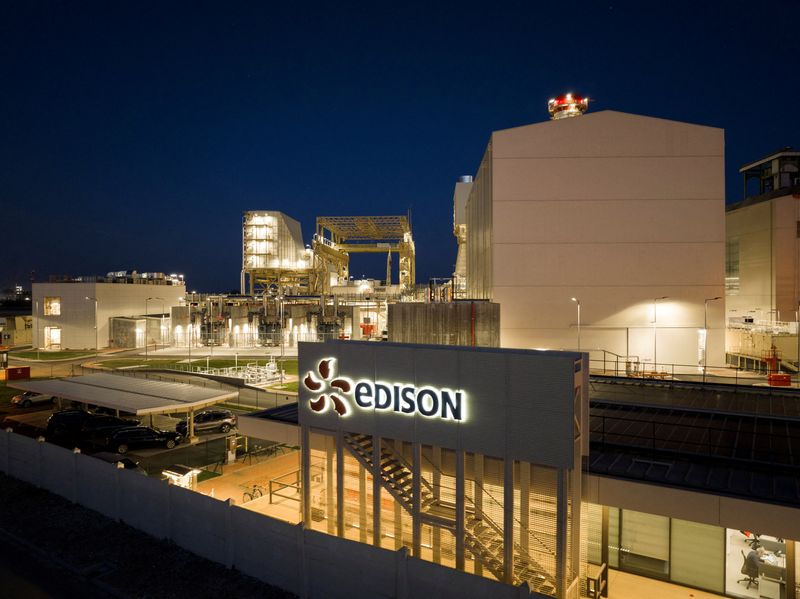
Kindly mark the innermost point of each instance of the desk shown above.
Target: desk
(772, 576)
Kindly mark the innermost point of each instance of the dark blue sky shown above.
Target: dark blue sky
(134, 134)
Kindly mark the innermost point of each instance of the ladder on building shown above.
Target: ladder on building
(483, 538)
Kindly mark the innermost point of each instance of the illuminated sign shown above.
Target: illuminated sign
(402, 398)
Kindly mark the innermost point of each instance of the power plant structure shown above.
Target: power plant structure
(304, 292)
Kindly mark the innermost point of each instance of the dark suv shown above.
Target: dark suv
(209, 421)
(78, 427)
(135, 437)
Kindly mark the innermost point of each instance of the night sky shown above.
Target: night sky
(134, 134)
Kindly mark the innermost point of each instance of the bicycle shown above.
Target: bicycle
(253, 493)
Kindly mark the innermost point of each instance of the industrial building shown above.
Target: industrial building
(762, 261)
(77, 312)
(467, 458)
(622, 212)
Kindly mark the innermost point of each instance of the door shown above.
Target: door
(52, 337)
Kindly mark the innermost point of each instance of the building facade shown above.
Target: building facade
(469, 458)
(76, 313)
(623, 212)
(762, 258)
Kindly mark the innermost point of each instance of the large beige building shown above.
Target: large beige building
(75, 313)
(762, 258)
(622, 212)
(762, 233)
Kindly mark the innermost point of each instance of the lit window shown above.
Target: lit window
(732, 267)
(52, 306)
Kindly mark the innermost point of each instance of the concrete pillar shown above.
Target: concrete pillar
(508, 521)
(437, 493)
(604, 543)
(339, 484)
(362, 504)
(230, 537)
(401, 573)
(330, 495)
(561, 534)
(398, 509)
(376, 491)
(305, 471)
(524, 505)
(478, 499)
(460, 509)
(416, 523)
(791, 574)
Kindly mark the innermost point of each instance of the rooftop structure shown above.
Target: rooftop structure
(339, 236)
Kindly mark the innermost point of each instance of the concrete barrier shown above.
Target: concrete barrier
(305, 562)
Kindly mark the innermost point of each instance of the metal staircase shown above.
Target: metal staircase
(483, 538)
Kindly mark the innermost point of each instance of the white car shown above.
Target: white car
(29, 398)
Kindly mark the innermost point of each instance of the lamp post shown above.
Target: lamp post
(578, 302)
(96, 344)
(38, 326)
(705, 329)
(281, 317)
(655, 330)
(145, 321)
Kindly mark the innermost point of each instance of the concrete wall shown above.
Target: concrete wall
(614, 209)
(304, 562)
(769, 259)
(77, 319)
(479, 231)
(450, 323)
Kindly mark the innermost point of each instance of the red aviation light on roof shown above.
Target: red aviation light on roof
(567, 105)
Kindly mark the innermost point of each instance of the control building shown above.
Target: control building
(76, 313)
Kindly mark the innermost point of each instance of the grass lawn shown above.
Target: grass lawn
(289, 365)
(290, 386)
(131, 362)
(50, 355)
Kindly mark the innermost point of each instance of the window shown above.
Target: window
(732, 267)
(52, 306)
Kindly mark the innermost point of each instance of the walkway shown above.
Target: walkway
(622, 585)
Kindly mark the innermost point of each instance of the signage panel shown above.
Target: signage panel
(499, 402)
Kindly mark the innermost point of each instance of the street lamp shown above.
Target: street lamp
(281, 317)
(145, 321)
(38, 326)
(96, 344)
(655, 330)
(705, 331)
(577, 301)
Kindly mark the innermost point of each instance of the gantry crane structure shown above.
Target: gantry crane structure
(339, 236)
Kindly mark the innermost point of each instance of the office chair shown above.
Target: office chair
(750, 572)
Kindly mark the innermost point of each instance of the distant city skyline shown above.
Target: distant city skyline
(134, 136)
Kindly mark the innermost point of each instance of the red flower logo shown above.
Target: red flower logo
(333, 389)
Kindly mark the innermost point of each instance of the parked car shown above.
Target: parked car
(78, 427)
(122, 440)
(30, 398)
(118, 459)
(209, 421)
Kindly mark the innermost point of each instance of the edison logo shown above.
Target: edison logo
(330, 389)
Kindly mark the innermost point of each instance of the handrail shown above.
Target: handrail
(498, 504)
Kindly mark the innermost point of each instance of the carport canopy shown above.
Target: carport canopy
(142, 397)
